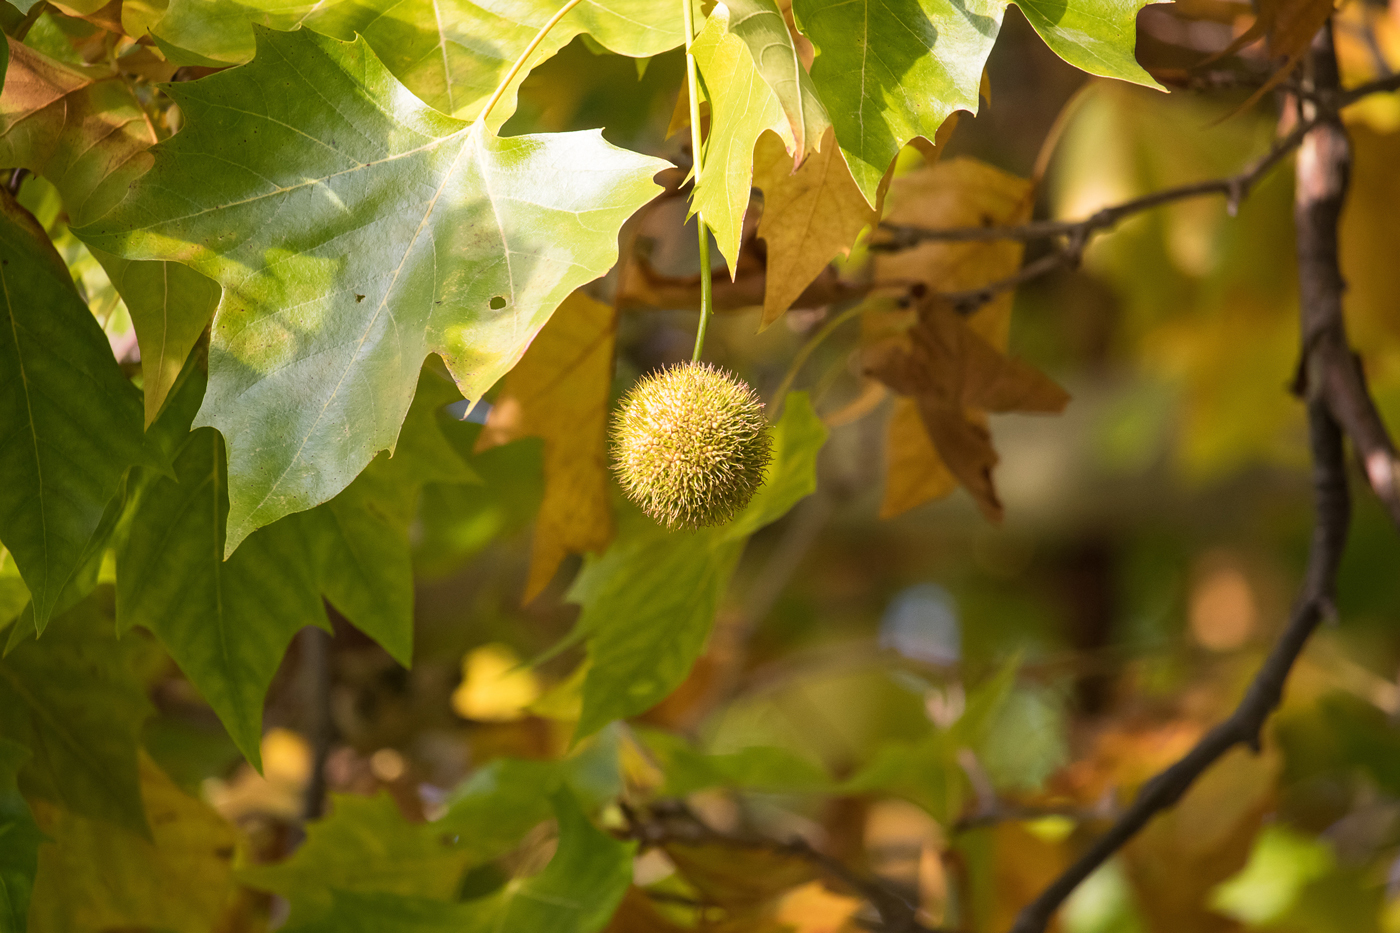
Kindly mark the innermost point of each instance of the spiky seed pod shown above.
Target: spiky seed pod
(690, 445)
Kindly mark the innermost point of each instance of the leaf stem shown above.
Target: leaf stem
(500, 91)
(692, 77)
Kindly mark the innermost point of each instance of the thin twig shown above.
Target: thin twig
(1322, 170)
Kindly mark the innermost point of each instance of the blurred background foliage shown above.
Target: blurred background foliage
(962, 704)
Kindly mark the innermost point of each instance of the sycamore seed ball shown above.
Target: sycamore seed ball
(691, 444)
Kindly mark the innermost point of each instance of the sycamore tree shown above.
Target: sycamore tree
(386, 548)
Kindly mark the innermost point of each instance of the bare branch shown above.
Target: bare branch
(1322, 176)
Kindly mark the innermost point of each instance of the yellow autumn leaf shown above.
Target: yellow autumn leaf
(809, 217)
(915, 473)
(559, 392)
(94, 876)
(494, 687)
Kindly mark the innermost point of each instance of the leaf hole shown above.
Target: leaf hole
(497, 303)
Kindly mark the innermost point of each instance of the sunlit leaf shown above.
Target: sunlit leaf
(810, 217)
(891, 71)
(372, 231)
(761, 25)
(435, 47)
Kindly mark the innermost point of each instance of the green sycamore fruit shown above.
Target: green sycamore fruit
(691, 445)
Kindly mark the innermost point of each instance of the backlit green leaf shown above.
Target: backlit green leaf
(70, 422)
(365, 845)
(760, 24)
(354, 231)
(742, 106)
(439, 49)
(1096, 36)
(759, 767)
(892, 70)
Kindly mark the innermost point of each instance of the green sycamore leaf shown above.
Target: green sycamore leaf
(1096, 36)
(648, 604)
(892, 70)
(367, 846)
(19, 842)
(70, 422)
(359, 540)
(87, 136)
(355, 230)
(926, 771)
(493, 809)
(650, 600)
(797, 439)
(226, 623)
(742, 106)
(576, 893)
(763, 768)
(72, 700)
(450, 53)
(760, 24)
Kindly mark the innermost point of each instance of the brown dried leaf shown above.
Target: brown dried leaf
(954, 375)
(559, 392)
(809, 217)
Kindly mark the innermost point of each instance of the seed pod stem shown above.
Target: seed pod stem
(692, 77)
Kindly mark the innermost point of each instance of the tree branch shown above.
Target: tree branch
(1076, 234)
(1322, 175)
